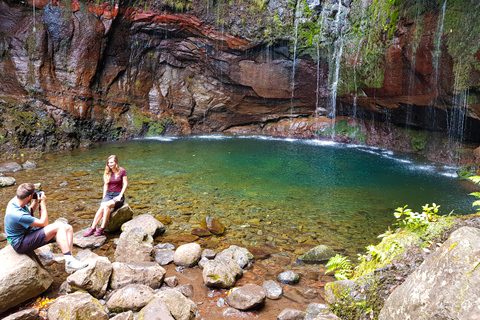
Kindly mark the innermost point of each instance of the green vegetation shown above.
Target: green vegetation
(146, 126)
(343, 129)
(419, 139)
(475, 179)
(341, 265)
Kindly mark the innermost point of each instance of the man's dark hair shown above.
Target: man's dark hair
(24, 190)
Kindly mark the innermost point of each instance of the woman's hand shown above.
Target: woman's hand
(117, 198)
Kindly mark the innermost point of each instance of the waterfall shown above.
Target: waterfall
(438, 52)
(457, 115)
(298, 16)
(34, 24)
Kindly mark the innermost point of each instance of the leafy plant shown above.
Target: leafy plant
(413, 220)
(476, 180)
(342, 128)
(341, 265)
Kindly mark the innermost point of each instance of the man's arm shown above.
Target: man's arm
(43, 220)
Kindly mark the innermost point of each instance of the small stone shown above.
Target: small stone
(288, 277)
(272, 290)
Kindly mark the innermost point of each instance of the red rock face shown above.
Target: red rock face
(98, 61)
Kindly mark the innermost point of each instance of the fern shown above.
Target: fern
(341, 265)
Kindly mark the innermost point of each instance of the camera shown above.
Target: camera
(38, 194)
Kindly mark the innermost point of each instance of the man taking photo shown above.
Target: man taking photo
(27, 233)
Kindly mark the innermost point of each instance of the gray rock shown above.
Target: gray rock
(246, 297)
(10, 167)
(147, 273)
(7, 181)
(155, 310)
(272, 289)
(123, 316)
(27, 314)
(93, 278)
(29, 164)
(164, 256)
(77, 305)
(149, 224)
(316, 309)
(319, 254)
(180, 307)
(3, 236)
(186, 290)
(88, 242)
(291, 314)
(134, 246)
(131, 297)
(446, 285)
(118, 218)
(209, 254)
(187, 255)
(221, 272)
(288, 277)
(21, 278)
(172, 282)
(240, 255)
(202, 262)
(234, 313)
(165, 246)
(45, 253)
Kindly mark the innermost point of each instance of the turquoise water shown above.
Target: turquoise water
(280, 192)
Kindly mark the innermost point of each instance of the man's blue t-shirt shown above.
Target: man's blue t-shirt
(17, 221)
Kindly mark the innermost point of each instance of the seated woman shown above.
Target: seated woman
(115, 184)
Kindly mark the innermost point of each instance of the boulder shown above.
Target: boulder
(29, 164)
(149, 224)
(246, 297)
(240, 255)
(288, 277)
(123, 316)
(180, 307)
(10, 167)
(187, 255)
(222, 272)
(134, 246)
(21, 278)
(147, 273)
(118, 218)
(7, 181)
(314, 310)
(291, 314)
(131, 297)
(446, 285)
(93, 278)
(164, 256)
(88, 242)
(155, 310)
(272, 289)
(186, 290)
(78, 305)
(27, 314)
(319, 254)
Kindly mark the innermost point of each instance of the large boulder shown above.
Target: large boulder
(319, 254)
(93, 278)
(221, 272)
(21, 278)
(10, 167)
(180, 307)
(134, 245)
(118, 218)
(146, 273)
(246, 297)
(155, 310)
(77, 305)
(131, 297)
(88, 242)
(240, 255)
(148, 223)
(187, 255)
(445, 286)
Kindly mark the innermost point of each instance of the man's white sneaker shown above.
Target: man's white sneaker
(73, 265)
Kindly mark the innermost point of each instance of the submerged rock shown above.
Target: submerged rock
(288, 277)
(7, 181)
(319, 254)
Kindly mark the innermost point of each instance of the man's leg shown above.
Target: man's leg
(63, 234)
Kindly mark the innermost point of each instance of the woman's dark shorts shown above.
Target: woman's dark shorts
(110, 195)
(32, 240)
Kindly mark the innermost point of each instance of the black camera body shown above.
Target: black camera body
(38, 194)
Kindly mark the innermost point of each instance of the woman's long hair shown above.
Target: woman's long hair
(108, 172)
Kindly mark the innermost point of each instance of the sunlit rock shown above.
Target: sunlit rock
(77, 305)
(246, 297)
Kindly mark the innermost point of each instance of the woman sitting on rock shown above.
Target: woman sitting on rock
(115, 184)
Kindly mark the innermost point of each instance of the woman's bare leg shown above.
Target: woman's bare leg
(106, 212)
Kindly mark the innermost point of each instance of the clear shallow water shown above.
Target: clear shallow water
(280, 192)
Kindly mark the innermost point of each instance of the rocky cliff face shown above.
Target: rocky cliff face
(74, 72)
